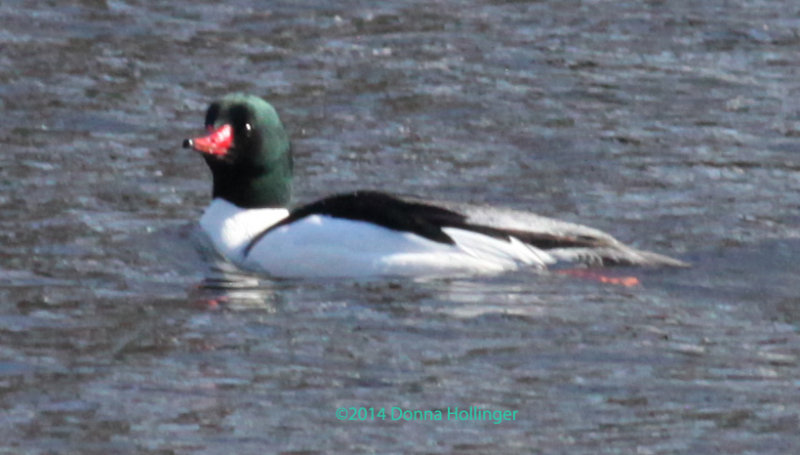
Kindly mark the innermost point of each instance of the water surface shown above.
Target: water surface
(672, 125)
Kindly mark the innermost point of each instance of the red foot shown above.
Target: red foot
(627, 281)
(213, 304)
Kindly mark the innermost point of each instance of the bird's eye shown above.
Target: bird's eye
(248, 129)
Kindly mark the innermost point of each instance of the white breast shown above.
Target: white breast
(231, 228)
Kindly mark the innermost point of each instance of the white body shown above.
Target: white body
(324, 246)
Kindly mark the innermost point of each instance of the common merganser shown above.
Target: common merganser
(366, 233)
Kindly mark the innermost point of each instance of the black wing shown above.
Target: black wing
(423, 219)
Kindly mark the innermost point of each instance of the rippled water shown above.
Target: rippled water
(672, 125)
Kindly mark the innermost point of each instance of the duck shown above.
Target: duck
(250, 221)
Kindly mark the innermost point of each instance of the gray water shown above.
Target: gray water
(673, 125)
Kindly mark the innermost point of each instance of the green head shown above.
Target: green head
(248, 152)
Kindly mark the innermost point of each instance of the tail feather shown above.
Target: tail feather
(616, 255)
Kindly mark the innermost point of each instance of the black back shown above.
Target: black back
(422, 219)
